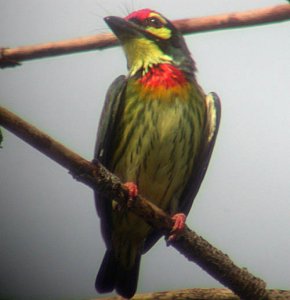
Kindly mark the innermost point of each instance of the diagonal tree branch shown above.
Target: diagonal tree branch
(192, 246)
(13, 56)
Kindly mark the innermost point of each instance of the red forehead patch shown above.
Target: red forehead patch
(141, 14)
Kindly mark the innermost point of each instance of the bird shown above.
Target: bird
(156, 133)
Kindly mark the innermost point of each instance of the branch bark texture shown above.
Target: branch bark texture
(199, 294)
(13, 56)
(191, 245)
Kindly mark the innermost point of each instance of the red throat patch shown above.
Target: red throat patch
(163, 75)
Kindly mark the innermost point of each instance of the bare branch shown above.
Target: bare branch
(12, 56)
(260, 16)
(198, 294)
(192, 246)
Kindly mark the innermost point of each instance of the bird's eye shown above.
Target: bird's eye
(153, 22)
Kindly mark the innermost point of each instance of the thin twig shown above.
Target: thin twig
(192, 246)
(13, 56)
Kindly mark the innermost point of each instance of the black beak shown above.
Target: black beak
(124, 30)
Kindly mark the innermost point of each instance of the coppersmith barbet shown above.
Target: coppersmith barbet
(157, 131)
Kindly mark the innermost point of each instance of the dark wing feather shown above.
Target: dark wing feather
(213, 115)
(108, 119)
(103, 148)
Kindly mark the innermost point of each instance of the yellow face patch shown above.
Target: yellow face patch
(162, 32)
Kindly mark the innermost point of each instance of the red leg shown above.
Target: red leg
(132, 189)
(179, 224)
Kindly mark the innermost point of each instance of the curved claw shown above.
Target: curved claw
(179, 224)
(132, 190)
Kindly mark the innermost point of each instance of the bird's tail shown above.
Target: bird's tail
(116, 275)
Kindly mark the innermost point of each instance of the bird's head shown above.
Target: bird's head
(149, 39)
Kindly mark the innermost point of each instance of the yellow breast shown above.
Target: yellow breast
(157, 144)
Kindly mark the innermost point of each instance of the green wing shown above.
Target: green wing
(103, 148)
(108, 119)
(213, 115)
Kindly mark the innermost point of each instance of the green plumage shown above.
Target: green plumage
(155, 146)
(159, 138)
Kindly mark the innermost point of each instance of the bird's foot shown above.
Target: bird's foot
(178, 227)
(133, 192)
